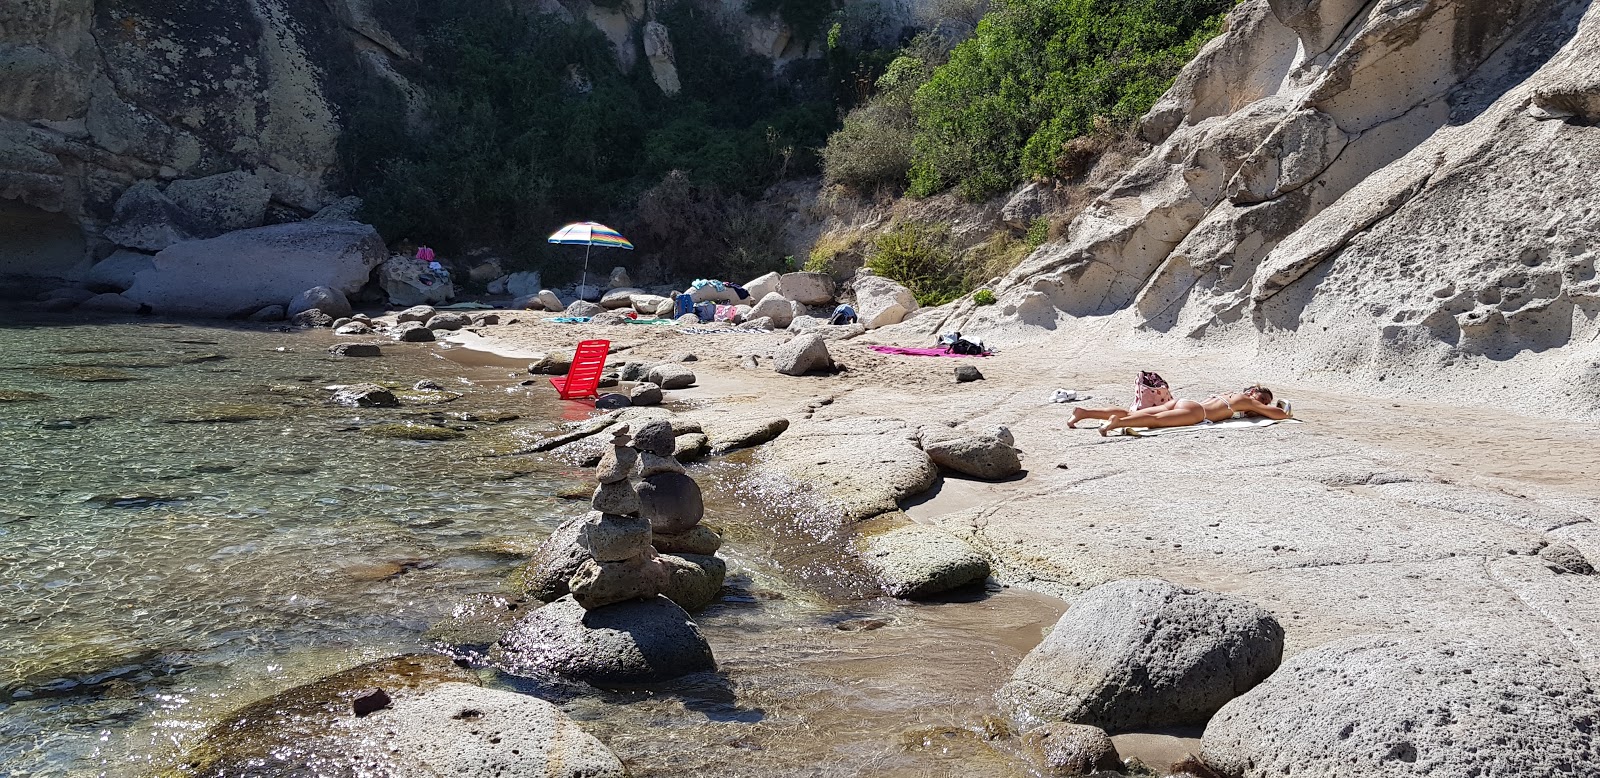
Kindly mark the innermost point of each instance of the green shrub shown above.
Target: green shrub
(984, 297)
(1038, 232)
(1037, 74)
(873, 148)
(921, 257)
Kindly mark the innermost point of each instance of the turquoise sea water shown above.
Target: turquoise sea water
(187, 525)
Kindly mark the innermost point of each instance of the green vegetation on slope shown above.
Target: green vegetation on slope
(1037, 74)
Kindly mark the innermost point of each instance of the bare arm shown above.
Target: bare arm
(1253, 406)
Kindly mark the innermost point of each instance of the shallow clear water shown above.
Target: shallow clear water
(212, 531)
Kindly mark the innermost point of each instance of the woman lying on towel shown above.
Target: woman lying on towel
(1254, 401)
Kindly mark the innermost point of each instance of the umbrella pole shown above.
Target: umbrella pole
(583, 280)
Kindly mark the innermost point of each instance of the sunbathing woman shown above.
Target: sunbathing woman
(1255, 401)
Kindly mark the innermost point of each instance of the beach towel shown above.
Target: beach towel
(1248, 422)
(920, 352)
(642, 320)
(570, 320)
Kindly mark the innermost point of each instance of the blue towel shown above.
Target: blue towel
(682, 304)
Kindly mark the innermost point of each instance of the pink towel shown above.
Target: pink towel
(919, 352)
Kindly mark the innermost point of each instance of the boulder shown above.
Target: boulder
(544, 576)
(326, 299)
(699, 539)
(807, 288)
(966, 374)
(690, 447)
(352, 328)
(655, 437)
(412, 332)
(805, 323)
(1071, 750)
(619, 298)
(464, 729)
(549, 301)
(552, 363)
(670, 375)
(365, 396)
(110, 303)
(686, 320)
(410, 281)
(881, 301)
(642, 641)
(733, 436)
(693, 580)
(526, 284)
(763, 286)
(803, 354)
(1026, 205)
(649, 304)
(583, 308)
(448, 321)
(632, 371)
(417, 313)
(665, 308)
(613, 538)
(671, 501)
(611, 317)
(243, 271)
(759, 323)
(775, 307)
(915, 560)
(269, 313)
(224, 202)
(115, 273)
(345, 209)
(1563, 558)
(645, 394)
(311, 317)
(711, 294)
(1423, 704)
(355, 350)
(979, 455)
(611, 401)
(1140, 654)
(619, 278)
(146, 219)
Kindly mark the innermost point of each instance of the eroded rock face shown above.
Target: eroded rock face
(1394, 705)
(1137, 654)
(1352, 186)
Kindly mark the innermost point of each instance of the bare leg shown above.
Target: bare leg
(1079, 414)
(1187, 414)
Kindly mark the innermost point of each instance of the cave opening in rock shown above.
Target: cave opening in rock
(39, 246)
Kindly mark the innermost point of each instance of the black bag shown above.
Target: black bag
(966, 347)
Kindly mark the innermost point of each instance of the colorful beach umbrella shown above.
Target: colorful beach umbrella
(590, 234)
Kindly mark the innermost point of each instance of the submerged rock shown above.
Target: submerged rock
(636, 642)
(1071, 750)
(1136, 654)
(1390, 705)
(365, 396)
(413, 432)
(355, 350)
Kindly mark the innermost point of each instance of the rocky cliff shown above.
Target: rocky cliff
(1394, 191)
(112, 110)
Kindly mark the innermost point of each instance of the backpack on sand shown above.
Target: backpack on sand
(1150, 390)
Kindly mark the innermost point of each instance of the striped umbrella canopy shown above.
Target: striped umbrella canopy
(590, 234)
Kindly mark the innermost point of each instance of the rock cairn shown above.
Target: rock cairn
(631, 523)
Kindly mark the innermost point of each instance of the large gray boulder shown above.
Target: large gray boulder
(241, 272)
(526, 283)
(1411, 705)
(745, 433)
(1137, 654)
(326, 299)
(464, 729)
(642, 641)
(116, 272)
(775, 307)
(146, 219)
(224, 202)
(979, 455)
(619, 298)
(763, 286)
(807, 288)
(584, 308)
(803, 354)
(915, 560)
(670, 375)
(881, 301)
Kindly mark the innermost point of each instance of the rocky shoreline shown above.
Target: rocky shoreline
(1427, 582)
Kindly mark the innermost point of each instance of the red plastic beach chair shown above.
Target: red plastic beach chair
(583, 378)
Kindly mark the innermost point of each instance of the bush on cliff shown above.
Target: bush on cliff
(1037, 74)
